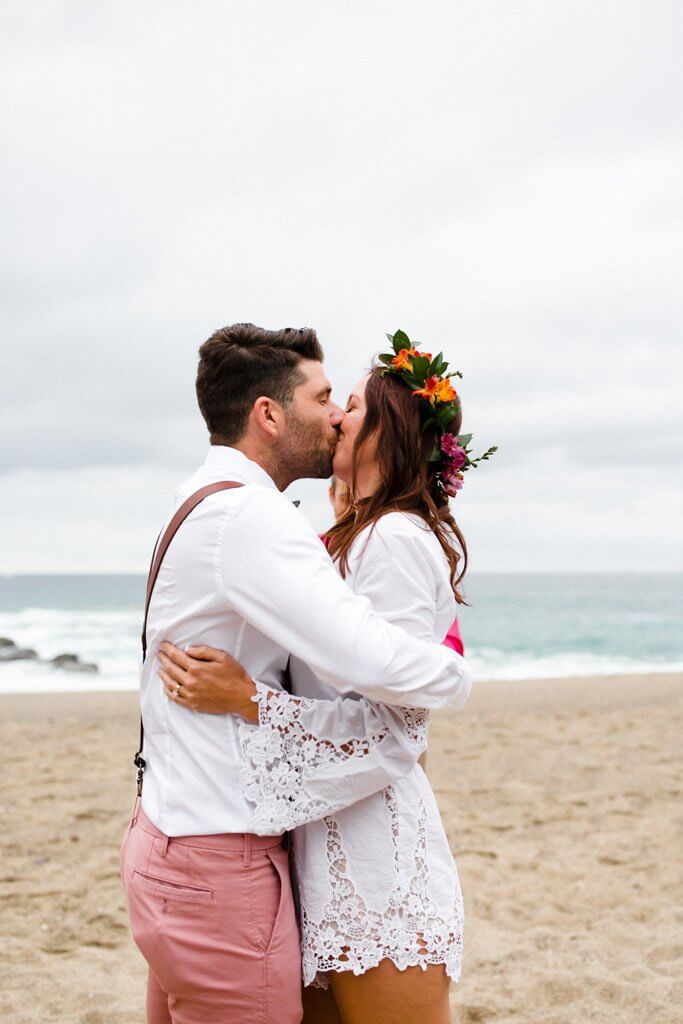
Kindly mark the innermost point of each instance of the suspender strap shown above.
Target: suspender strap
(157, 558)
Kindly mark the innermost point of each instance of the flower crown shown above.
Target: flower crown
(439, 406)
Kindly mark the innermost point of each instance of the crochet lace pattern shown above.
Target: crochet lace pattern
(411, 930)
(282, 754)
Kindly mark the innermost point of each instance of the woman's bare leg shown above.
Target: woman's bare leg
(385, 995)
(320, 1007)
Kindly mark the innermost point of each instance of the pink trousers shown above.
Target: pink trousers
(214, 918)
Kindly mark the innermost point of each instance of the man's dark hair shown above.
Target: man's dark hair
(238, 364)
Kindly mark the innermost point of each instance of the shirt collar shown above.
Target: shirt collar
(226, 463)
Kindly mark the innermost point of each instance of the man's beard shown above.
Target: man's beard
(306, 451)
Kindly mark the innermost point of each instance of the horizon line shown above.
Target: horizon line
(471, 572)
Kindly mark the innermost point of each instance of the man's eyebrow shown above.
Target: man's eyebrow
(325, 391)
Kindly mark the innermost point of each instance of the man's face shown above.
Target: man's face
(312, 426)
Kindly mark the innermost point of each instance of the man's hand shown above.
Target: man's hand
(207, 680)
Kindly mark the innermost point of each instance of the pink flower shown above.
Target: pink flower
(451, 479)
(457, 456)
(452, 486)
(448, 444)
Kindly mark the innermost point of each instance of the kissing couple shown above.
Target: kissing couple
(284, 829)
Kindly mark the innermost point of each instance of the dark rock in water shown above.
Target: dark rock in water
(72, 663)
(64, 659)
(82, 666)
(15, 653)
(68, 662)
(79, 666)
(10, 652)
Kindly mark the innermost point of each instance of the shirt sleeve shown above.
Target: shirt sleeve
(272, 568)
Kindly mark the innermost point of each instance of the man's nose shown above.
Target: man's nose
(336, 415)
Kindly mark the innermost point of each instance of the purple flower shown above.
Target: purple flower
(448, 444)
(451, 487)
(451, 478)
(457, 456)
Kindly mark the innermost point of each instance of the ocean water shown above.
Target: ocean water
(515, 627)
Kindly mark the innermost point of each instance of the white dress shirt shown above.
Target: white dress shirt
(246, 573)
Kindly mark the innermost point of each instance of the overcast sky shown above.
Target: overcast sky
(501, 180)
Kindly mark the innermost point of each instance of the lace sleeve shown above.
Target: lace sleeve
(310, 758)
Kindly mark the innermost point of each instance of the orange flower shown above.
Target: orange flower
(402, 360)
(425, 355)
(429, 390)
(445, 392)
(436, 390)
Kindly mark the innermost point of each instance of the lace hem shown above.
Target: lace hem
(406, 953)
(293, 772)
(410, 931)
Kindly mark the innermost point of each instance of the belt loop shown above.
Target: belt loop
(246, 859)
(164, 846)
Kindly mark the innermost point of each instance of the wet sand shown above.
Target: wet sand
(562, 802)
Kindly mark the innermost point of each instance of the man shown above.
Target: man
(210, 904)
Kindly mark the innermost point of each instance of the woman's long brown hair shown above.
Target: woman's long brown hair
(409, 482)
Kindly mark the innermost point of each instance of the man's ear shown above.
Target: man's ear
(268, 417)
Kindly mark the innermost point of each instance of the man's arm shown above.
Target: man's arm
(272, 568)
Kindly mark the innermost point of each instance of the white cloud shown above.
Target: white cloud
(501, 181)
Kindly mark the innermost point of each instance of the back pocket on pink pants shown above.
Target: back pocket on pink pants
(172, 890)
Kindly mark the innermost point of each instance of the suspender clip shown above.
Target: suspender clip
(140, 764)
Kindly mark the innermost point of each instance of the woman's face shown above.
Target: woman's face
(354, 415)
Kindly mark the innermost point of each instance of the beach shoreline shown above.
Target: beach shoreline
(561, 800)
(84, 685)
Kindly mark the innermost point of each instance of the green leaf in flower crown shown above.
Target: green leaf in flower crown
(400, 340)
(436, 455)
(420, 367)
(387, 359)
(464, 440)
(445, 415)
(435, 366)
(474, 463)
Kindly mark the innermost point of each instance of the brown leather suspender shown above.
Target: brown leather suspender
(157, 558)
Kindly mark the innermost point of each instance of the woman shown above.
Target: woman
(381, 907)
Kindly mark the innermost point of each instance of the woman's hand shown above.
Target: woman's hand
(204, 679)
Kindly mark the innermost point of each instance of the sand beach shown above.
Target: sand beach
(562, 802)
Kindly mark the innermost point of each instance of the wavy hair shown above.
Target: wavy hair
(409, 481)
